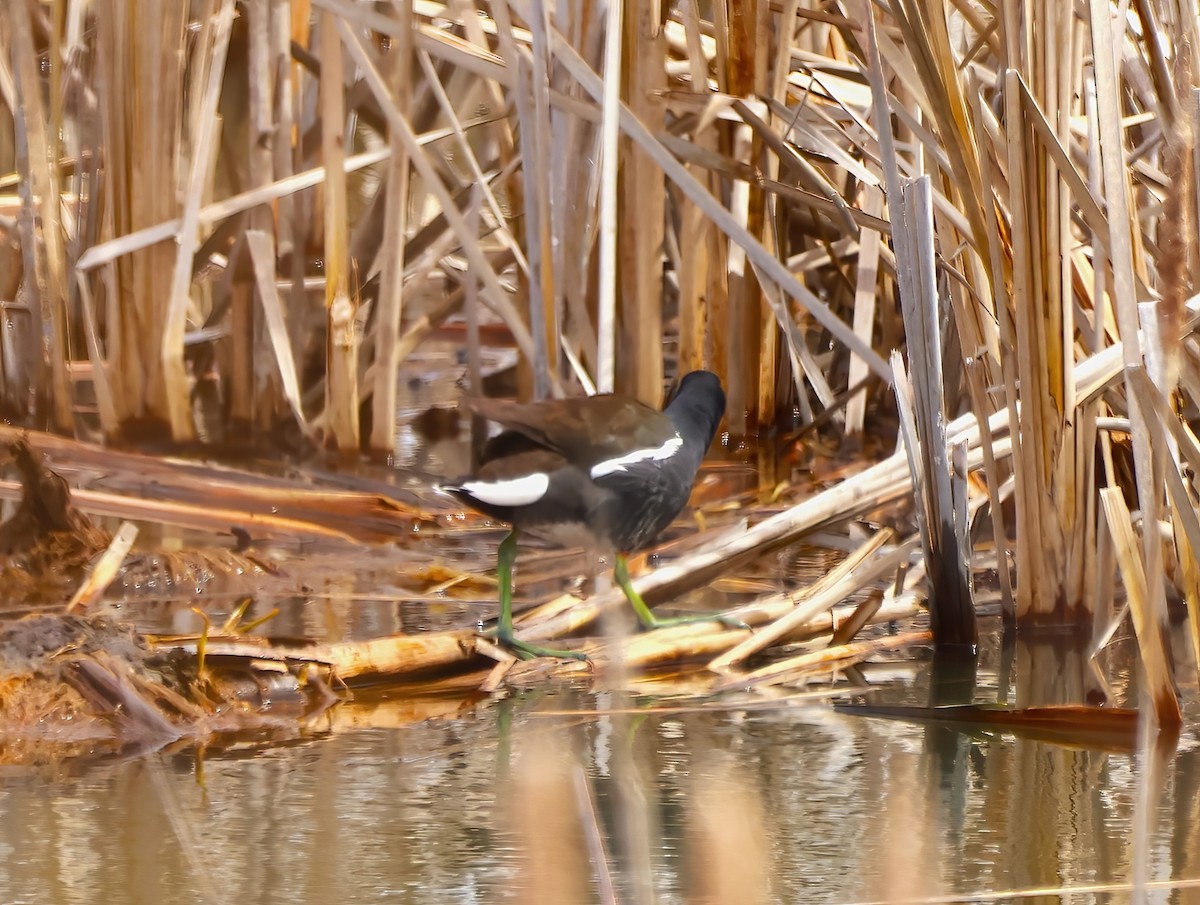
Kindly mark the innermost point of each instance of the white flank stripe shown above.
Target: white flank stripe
(608, 466)
(516, 492)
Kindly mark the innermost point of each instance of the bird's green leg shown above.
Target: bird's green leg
(647, 618)
(505, 557)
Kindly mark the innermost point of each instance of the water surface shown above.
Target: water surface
(519, 798)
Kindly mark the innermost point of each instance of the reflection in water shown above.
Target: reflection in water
(576, 796)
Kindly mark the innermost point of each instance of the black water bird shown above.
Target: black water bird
(600, 472)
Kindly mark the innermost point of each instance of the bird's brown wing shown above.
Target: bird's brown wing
(585, 429)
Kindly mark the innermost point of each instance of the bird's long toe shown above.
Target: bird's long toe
(669, 621)
(524, 650)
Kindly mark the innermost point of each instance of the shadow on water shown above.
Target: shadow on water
(582, 794)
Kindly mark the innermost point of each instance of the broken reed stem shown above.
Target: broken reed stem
(348, 516)
(1148, 624)
(704, 640)
(951, 611)
(106, 568)
(859, 569)
(795, 668)
(681, 644)
(400, 656)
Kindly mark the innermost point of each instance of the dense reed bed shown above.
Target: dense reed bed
(236, 219)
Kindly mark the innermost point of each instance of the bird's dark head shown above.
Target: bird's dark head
(697, 407)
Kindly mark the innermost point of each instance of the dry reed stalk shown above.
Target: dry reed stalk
(128, 243)
(1185, 521)
(483, 182)
(804, 365)
(105, 404)
(341, 383)
(396, 218)
(42, 246)
(542, 200)
(288, 222)
(190, 491)
(927, 40)
(244, 405)
(930, 56)
(200, 517)
(577, 178)
(639, 364)
(1040, 554)
(475, 25)
(1114, 169)
(113, 688)
(751, 334)
(471, 310)
(153, 115)
(866, 284)
(1103, 583)
(268, 387)
(859, 619)
(363, 661)
(606, 310)
(1189, 561)
(994, 478)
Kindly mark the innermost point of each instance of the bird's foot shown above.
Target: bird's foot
(527, 651)
(668, 621)
(646, 616)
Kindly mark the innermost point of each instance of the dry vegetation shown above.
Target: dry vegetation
(227, 218)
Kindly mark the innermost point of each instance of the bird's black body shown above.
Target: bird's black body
(603, 471)
(627, 505)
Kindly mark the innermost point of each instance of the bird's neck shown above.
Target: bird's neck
(694, 425)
